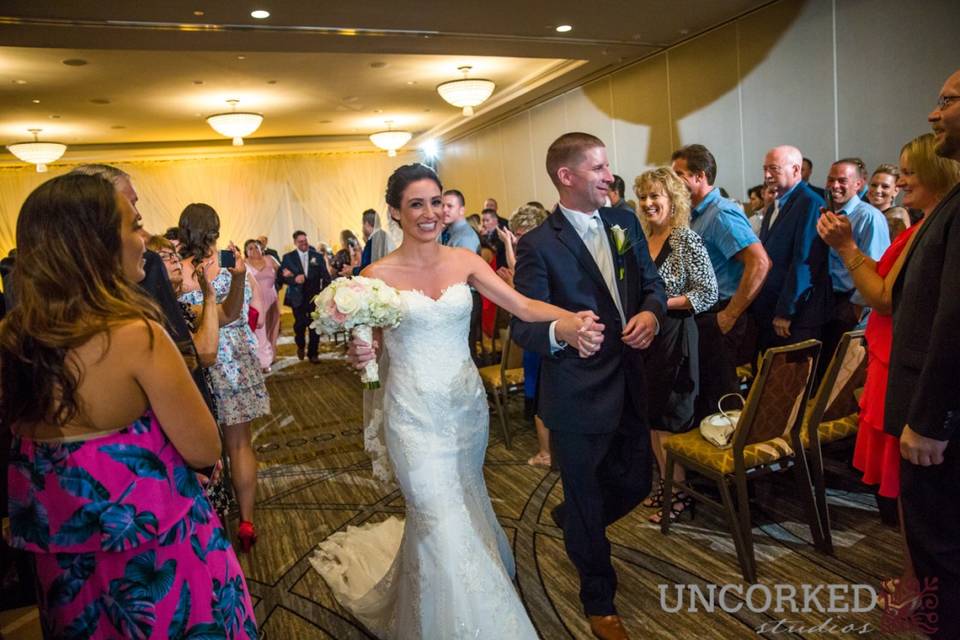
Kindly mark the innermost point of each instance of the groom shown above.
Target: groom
(588, 256)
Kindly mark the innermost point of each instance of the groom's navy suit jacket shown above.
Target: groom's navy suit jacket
(586, 395)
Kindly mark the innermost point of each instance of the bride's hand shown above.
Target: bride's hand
(589, 335)
(359, 353)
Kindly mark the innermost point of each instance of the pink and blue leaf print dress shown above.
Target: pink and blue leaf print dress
(126, 544)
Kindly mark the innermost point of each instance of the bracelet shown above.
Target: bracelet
(856, 262)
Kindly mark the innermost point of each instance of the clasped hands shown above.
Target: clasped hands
(585, 331)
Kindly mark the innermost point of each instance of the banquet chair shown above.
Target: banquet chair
(766, 439)
(833, 414)
(500, 380)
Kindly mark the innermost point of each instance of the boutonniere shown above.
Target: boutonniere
(313, 261)
(621, 241)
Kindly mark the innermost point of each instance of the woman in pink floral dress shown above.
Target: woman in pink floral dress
(107, 429)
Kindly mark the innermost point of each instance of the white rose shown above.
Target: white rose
(347, 300)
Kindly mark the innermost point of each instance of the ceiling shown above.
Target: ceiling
(325, 75)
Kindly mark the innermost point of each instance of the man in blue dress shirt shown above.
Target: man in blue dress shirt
(459, 233)
(871, 235)
(740, 264)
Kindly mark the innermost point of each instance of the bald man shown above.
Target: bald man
(795, 300)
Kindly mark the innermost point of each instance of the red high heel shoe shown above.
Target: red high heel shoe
(247, 535)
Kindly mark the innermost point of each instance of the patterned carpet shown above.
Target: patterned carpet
(315, 480)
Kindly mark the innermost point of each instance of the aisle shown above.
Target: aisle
(315, 479)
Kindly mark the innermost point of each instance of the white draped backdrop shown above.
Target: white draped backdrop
(254, 195)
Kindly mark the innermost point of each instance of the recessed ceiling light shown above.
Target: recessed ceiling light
(198, 82)
(100, 101)
(411, 82)
(375, 110)
(241, 57)
(54, 117)
(74, 62)
(564, 28)
(271, 82)
(118, 126)
(198, 12)
(260, 14)
(19, 82)
(684, 32)
(378, 65)
(324, 121)
(426, 110)
(35, 101)
(350, 98)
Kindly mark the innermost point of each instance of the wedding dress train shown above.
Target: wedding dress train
(447, 571)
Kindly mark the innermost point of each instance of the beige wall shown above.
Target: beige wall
(834, 77)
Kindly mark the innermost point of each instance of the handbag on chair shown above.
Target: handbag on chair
(718, 428)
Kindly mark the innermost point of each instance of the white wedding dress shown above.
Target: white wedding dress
(450, 574)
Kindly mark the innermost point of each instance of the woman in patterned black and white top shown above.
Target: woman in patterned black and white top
(691, 286)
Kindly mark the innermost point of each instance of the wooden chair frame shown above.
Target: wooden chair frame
(738, 514)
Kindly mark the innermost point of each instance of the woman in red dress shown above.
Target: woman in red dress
(924, 179)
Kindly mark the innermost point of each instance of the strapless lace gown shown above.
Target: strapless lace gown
(446, 572)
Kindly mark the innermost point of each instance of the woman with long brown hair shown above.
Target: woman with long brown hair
(105, 420)
(239, 392)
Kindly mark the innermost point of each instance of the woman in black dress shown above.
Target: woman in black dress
(691, 286)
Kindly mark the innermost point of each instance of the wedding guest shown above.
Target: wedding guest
(267, 250)
(615, 193)
(805, 170)
(794, 301)
(238, 388)
(740, 265)
(264, 270)
(6, 276)
(882, 193)
(458, 233)
(304, 271)
(524, 219)
(672, 362)
(475, 222)
(377, 242)
(872, 236)
(754, 200)
(922, 401)
(925, 179)
(491, 222)
(100, 389)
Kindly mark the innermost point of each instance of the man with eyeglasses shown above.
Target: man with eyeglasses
(795, 300)
(922, 404)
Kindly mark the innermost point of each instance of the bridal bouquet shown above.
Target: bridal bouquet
(357, 305)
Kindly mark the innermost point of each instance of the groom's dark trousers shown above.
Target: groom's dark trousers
(594, 407)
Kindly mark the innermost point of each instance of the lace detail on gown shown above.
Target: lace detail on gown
(447, 571)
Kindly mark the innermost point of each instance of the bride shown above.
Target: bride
(449, 575)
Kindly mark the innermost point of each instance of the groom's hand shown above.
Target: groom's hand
(640, 330)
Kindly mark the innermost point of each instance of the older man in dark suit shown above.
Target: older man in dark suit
(305, 273)
(923, 403)
(587, 256)
(795, 300)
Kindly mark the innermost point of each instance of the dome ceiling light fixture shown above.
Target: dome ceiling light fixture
(390, 140)
(466, 92)
(36, 152)
(235, 124)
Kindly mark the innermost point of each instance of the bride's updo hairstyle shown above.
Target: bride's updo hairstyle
(402, 178)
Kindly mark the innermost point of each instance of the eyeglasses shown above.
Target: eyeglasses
(945, 101)
(168, 256)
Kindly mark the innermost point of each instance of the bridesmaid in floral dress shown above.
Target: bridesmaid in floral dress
(107, 424)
